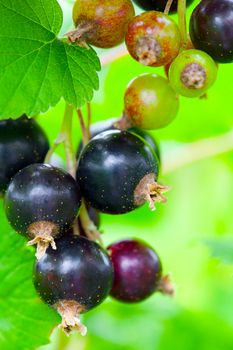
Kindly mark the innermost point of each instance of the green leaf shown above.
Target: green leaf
(36, 68)
(25, 322)
(221, 248)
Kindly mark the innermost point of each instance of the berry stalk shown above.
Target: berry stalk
(84, 130)
(68, 144)
(88, 225)
(168, 7)
(65, 137)
(88, 118)
(182, 22)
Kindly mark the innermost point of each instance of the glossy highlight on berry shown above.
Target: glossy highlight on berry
(111, 124)
(40, 202)
(153, 39)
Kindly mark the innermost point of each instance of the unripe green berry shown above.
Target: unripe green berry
(192, 73)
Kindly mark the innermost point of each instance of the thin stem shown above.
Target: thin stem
(168, 7)
(88, 118)
(88, 225)
(68, 144)
(196, 151)
(62, 340)
(65, 136)
(182, 22)
(83, 127)
(57, 142)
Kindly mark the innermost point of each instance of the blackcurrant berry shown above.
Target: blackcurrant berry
(211, 29)
(101, 23)
(150, 102)
(22, 142)
(153, 38)
(158, 5)
(40, 202)
(73, 279)
(192, 73)
(137, 271)
(110, 124)
(117, 173)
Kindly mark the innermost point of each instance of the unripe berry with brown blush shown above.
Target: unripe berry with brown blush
(101, 23)
(150, 102)
(153, 39)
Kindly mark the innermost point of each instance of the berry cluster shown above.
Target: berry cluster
(117, 172)
(154, 39)
(118, 168)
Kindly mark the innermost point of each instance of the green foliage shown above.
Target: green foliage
(25, 322)
(221, 248)
(36, 68)
(196, 330)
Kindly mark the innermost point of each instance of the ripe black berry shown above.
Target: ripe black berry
(117, 173)
(158, 5)
(74, 278)
(211, 29)
(137, 271)
(109, 124)
(22, 142)
(40, 202)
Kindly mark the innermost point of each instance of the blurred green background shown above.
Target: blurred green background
(197, 217)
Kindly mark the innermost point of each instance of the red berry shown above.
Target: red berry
(137, 271)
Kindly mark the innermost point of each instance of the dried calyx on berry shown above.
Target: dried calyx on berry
(101, 23)
(40, 202)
